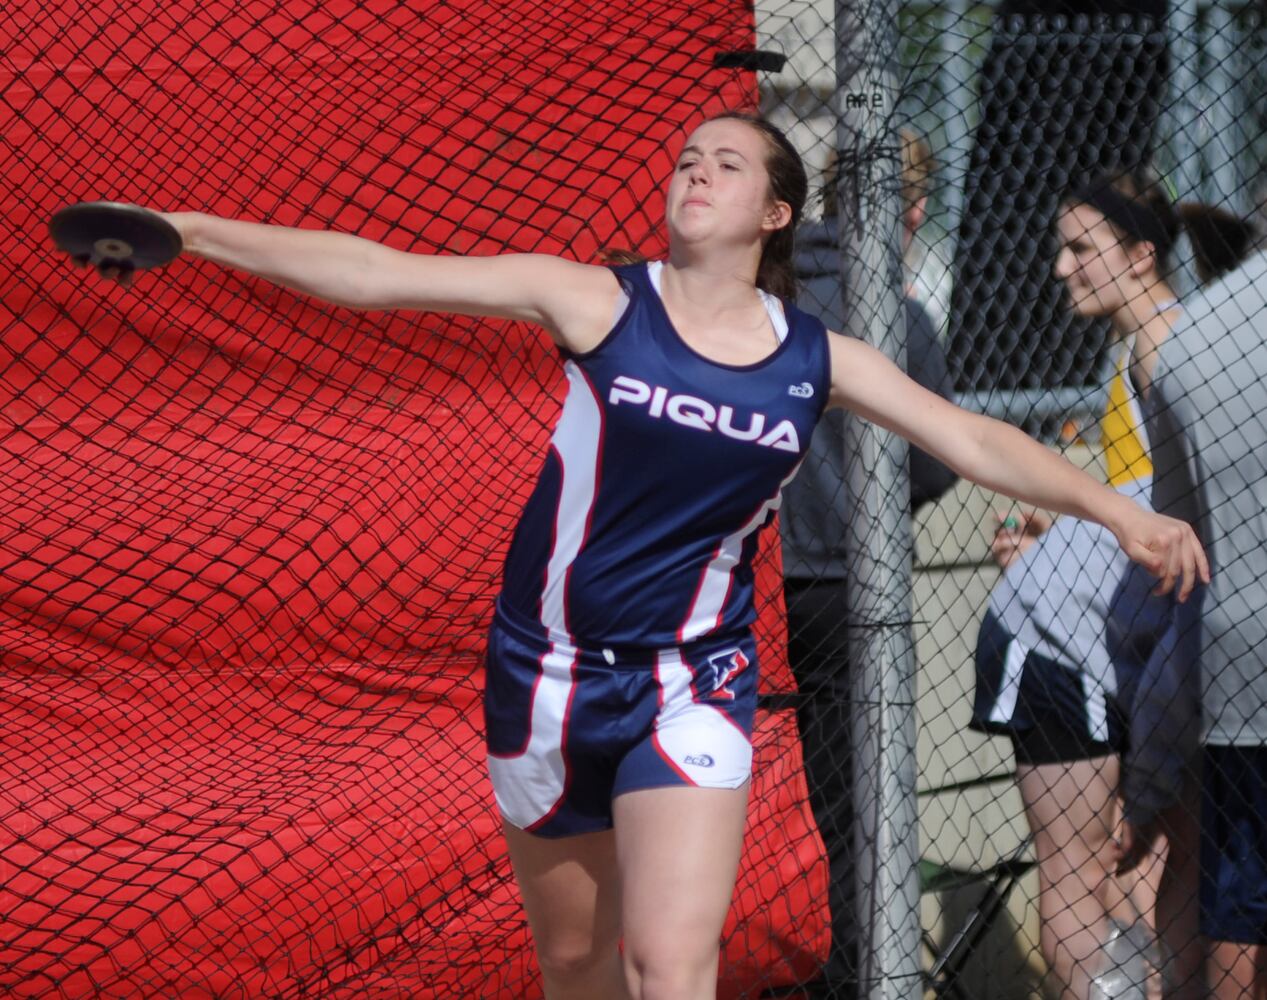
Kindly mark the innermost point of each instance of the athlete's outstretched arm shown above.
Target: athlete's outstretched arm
(1002, 458)
(572, 301)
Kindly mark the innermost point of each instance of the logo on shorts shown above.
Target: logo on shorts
(726, 667)
(699, 760)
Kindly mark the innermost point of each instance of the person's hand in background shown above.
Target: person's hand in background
(1015, 531)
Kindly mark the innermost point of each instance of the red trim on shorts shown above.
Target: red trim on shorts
(673, 765)
(726, 715)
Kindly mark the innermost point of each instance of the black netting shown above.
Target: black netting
(1020, 108)
(250, 541)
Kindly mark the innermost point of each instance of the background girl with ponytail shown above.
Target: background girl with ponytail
(1069, 628)
(621, 674)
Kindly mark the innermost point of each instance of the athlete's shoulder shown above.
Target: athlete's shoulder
(634, 279)
(793, 310)
(810, 328)
(631, 272)
(811, 336)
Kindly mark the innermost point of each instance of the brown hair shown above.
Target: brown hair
(1140, 209)
(788, 183)
(620, 256)
(1220, 239)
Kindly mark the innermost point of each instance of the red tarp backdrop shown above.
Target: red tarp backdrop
(249, 543)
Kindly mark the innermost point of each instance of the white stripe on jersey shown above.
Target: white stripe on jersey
(577, 440)
(716, 580)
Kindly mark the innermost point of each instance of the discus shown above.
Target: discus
(109, 234)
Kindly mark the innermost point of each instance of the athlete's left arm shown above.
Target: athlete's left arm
(1002, 458)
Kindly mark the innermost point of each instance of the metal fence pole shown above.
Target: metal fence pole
(1225, 103)
(886, 833)
(1182, 122)
(1182, 114)
(956, 106)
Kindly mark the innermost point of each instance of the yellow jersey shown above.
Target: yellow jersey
(1122, 433)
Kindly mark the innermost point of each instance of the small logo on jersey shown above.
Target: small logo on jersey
(699, 760)
(691, 411)
(726, 667)
(802, 391)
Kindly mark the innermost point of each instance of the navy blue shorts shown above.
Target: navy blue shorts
(569, 729)
(1234, 844)
(1052, 713)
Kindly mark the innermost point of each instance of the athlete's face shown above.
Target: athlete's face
(1101, 271)
(720, 189)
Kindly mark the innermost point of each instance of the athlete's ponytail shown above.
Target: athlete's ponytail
(788, 183)
(1220, 240)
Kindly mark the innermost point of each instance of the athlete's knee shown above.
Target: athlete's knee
(1082, 854)
(575, 959)
(670, 970)
(673, 984)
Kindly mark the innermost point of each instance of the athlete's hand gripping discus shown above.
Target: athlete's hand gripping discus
(115, 238)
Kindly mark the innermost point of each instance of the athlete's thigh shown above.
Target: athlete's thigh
(1070, 805)
(570, 891)
(1236, 971)
(678, 852)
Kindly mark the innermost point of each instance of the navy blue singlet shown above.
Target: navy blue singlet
(661, 471)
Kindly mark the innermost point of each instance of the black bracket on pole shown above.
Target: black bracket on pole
(750, 59)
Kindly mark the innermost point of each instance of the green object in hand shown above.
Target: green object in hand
(1011, 523)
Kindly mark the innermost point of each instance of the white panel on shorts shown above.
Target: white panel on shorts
(700, 741)
(529, 785)
(1010, 688)
(1097, 709)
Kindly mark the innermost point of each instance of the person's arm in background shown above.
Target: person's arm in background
(1164, 714)
(926, 364)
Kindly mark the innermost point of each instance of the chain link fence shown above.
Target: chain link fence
(1014, 111)
(250, 542)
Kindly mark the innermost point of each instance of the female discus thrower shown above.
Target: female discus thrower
(621, 679)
